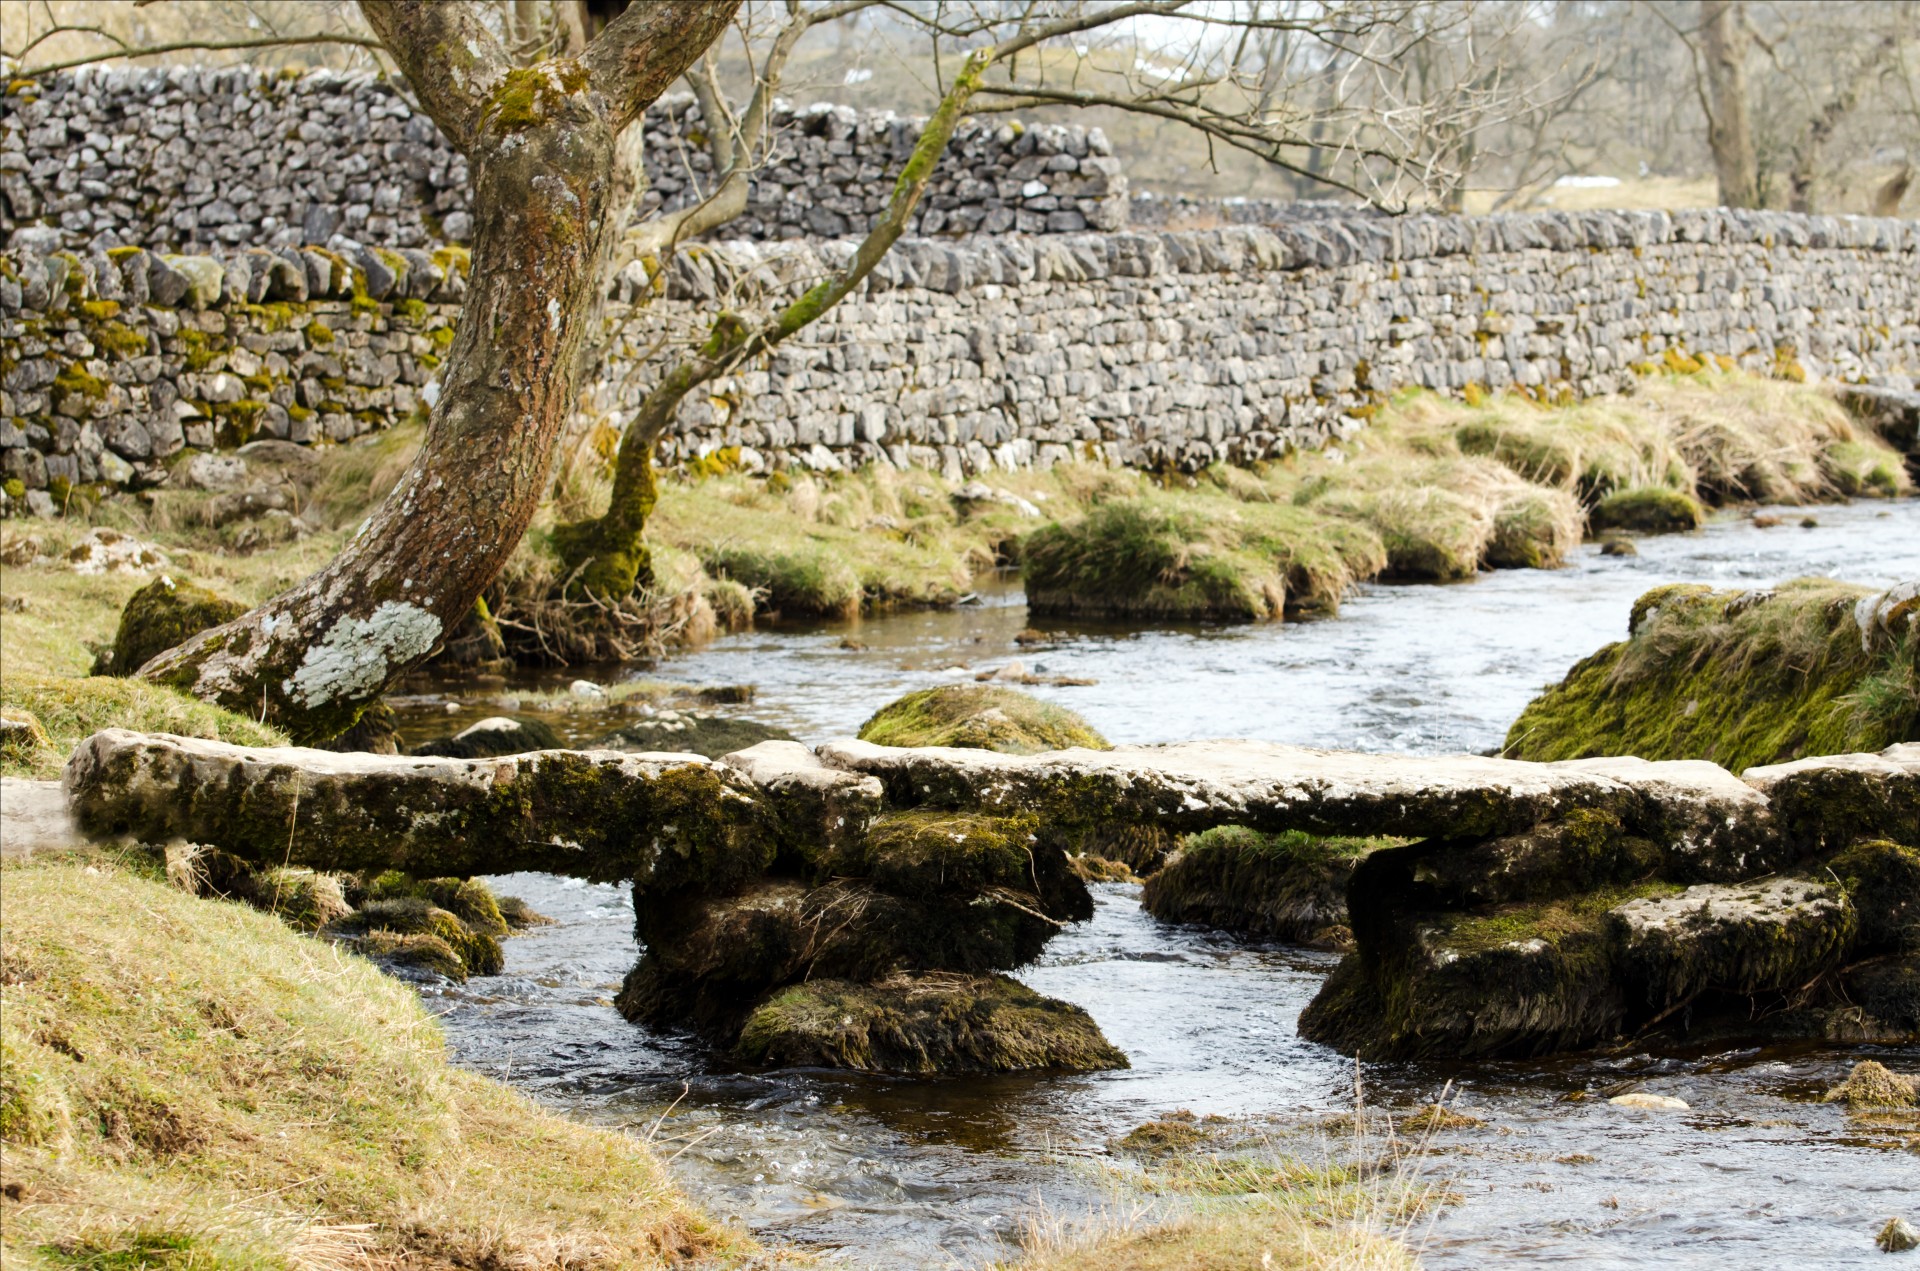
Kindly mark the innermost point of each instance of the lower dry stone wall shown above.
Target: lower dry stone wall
(1161, 349)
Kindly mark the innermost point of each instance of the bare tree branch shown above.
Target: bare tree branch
(449, 56)
(649, 46)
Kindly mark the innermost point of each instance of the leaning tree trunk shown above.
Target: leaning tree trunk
(540, 142)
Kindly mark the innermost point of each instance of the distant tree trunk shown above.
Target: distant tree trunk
(541, 142)
(1807, 156)
(1729, 129)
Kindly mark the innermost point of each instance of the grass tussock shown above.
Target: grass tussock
(1740, 678)
(71, 710)
(1228, 1195)
(206, 1088)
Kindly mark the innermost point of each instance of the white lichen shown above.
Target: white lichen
(357, 655)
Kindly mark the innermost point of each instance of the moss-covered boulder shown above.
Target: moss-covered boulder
(692, 733)
(979, 717)
(1741, 678)
(925, 1025)
(1874, 1085)
(160, 616)
(495, 735)
(1648, 509)
(468, 899)
(477, 952)
(376, 732)
(1290, 886)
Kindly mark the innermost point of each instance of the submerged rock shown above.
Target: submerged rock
(1650, 1102)
(979, 719)
(1898, 1236)
(709, 735)
(162, 615)
(922, 1025)
(1290, 886)
(495, 735)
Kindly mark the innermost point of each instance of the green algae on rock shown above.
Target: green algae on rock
(1289, 886)
(1741, 678)
(164, 614)
(1873, 1085)
(979, 717)
(925, 1024)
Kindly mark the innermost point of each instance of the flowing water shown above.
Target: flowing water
(892, 1173)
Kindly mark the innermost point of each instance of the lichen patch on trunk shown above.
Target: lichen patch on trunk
(357, 655)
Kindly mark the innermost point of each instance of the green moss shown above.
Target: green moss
(413, 310)
(74, 379)
(100, 310)
(943, 1024)
(1738, 678)
(928, 854)
(1289, 886)
(979, 717)
(1648, 509)
(319, 334)
(453, 259)
(479, 952)
(442, 338)
(15, 488)
(119, 254)
(201, 349)
(158, 617)
(531, 95)
(117, 337)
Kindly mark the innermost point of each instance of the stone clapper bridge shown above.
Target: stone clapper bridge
(855, 905)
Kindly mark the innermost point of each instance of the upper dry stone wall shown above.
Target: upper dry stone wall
(1167, 349)
(184, 159)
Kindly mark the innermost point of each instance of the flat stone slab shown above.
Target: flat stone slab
(605, 815)
(1272, 787)
(1754, 937)
(34, 819)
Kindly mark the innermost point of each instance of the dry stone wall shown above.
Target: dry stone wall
(185, 159)
(1161, 350)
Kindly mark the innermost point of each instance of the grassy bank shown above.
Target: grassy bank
(1741, 678)
(1431, 489)
(190, 1084)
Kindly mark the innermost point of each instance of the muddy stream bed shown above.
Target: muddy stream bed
(891, 1173)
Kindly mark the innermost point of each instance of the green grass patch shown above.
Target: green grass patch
(71, 710)
(203, 1087)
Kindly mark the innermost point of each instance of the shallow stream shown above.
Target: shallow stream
(893, 1173)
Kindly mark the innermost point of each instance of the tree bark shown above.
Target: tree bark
(1729, 129)
(606, 555)
(1804, 179)
(541, 145)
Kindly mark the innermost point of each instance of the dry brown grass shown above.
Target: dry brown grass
(188, 1083)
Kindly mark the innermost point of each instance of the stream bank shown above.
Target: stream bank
(948, 1172)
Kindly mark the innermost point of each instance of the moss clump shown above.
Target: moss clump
(75, 379)
(928, 855)
(1531, 531)
(163, 615)
(529, 96)
(478, 952)
(117, 337)
(1741, 678)
(1289, 886)
(1649, 510)
(319, 334)
(979, 717)
(468, 899)
(301, 898)
(1873, 1085)
(924, 1025)
(1176, 1132)
(811, 581)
